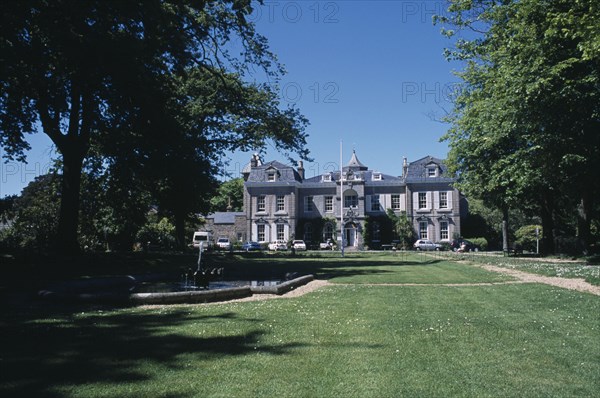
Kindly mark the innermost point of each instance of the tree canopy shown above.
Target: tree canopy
(524, 126)
(148, 88)
(230, 196)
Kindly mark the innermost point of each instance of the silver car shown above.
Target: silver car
(426, 244)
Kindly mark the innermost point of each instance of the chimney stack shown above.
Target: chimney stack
(301, 169)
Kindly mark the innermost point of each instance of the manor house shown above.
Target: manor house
(280, 203)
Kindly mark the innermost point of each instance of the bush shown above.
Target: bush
(567, 245)
(446, 246)
(525, 237)
(159, 233)
(481, 242)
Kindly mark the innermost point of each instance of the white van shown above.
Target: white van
(202, 236)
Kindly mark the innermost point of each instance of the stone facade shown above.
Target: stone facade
(227, 224)
(281, 204)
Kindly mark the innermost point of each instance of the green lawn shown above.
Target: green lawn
(351, 340)
(580, 269)
(367, 267)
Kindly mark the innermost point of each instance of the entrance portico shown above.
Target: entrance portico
(351, 234)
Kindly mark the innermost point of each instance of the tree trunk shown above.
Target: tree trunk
(73, 147)
(546, 214)
(505, 245)
(69, 205)
(584, 218)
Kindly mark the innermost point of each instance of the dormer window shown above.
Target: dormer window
(377, 177)
(432, 172)
(271, 176)
(326, 177)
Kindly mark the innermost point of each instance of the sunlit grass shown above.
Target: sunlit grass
(562, 269)
(342, 340)
(354, 338)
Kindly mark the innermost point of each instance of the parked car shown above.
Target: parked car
(457, 245)
(278, 245)
(251, 246)
(223, 243)
(426, 244)
(326, 245)
(299, 245)
(202, 237)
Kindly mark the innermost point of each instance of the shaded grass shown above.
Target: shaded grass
(400, 267)
(363, 268)
(351, 340)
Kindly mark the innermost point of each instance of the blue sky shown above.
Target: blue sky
(369, 73)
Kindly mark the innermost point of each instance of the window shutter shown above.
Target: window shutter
(368, 203)
(450, 206)
(436, 199)
(415, 200)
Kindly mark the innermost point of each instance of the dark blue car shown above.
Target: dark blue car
(250, 246)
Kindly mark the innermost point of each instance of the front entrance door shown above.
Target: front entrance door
(350, 234)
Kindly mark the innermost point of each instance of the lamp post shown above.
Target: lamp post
(341, 201)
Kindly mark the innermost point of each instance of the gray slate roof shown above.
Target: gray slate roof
(417, 170)
(224, 217)
(354, 164)
(286, 173)
(416, 173)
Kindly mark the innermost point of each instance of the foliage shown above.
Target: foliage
(486, 222)
(157, 232)
(34, 214)
(140, 86)
(525, 119)
(481, 242)
(378, 230)
(7, 208)
(229, 194)
(113, 209)
(403, 228)
(527, 236)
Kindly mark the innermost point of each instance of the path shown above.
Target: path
(520, 276)
(578, 284)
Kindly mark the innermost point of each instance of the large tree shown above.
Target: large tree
(524, 128)
(102, 71)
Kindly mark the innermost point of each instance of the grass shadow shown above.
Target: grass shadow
(38, 356)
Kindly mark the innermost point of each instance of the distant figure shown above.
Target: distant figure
(463, 248)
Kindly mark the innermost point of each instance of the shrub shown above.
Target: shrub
(526, 237)
(446, 246)
(481, 242)
(159, 233)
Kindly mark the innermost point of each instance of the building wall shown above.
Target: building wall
(296, 190)
(236, 232)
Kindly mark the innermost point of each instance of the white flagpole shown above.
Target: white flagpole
(341, 199)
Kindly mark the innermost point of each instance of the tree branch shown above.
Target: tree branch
(49, 124)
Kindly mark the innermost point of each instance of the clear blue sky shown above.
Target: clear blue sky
(369, 73)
